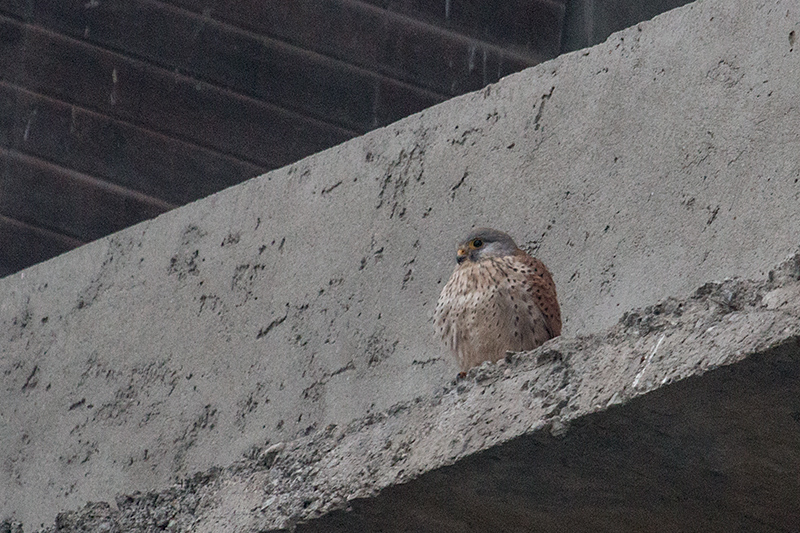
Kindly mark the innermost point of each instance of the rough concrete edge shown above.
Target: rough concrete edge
(292, 482)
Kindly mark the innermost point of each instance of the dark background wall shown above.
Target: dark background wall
(590, 22)
(112, 112)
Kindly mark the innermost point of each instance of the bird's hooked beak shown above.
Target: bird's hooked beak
(461, 255)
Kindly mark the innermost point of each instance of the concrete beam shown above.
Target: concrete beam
(301, 300)
(684, 416)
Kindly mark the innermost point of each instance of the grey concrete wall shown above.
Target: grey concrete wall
(667, 156)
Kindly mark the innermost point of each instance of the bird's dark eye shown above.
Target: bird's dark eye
(477, 243)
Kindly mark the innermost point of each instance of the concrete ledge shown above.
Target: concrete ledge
(300, 300)
(684, 416)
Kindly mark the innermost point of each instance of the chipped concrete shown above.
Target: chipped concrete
(684, 416)
(301, 300)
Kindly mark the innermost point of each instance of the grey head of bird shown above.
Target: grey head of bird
(484, 243)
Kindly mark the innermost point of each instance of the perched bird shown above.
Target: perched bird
(498, 299)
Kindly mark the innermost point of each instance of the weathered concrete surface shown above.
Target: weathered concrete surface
(637, 169)
(683, 417)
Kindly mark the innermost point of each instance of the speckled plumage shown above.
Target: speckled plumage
(498, 299)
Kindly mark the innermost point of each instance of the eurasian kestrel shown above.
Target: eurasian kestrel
(498, 299)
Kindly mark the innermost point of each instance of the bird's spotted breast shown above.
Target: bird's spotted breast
(496, 305)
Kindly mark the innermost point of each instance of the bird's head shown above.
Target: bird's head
(483, 243)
